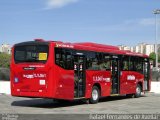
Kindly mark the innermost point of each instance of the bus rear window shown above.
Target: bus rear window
(31, 53)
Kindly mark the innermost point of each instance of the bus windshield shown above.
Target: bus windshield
(31, 53)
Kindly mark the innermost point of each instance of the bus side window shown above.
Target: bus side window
(98, 61)
(63, 58)
(131, 64)
(95, 65)
(102, 65)
(91, 61)
(69, 60)
(57, 58)
(104, 61)
(138, 65)
(125, 63)
(107, 62)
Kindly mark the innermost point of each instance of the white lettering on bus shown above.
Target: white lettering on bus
(37, 66)
(64, 45)
(131, 77)
(30, 76)
(100, 78)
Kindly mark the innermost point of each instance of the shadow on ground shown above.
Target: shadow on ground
(49, 103)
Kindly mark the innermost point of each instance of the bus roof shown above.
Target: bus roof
(99, 48)
(89, 46)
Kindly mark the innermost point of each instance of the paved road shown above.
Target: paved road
(148, 104)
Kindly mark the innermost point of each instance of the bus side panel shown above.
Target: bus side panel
(129, 80)
(123, 82)
(139, 78)
(103, 78)
(65, 83)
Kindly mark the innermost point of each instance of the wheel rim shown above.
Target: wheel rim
(95, 94)
(138, 90)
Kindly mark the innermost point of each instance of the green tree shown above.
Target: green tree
(5, 60)
(152, 56)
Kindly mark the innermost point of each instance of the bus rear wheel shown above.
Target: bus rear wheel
(138, 91)
(95, 95)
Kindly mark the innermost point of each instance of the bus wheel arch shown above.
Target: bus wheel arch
(138, 90)
(95, 94)
(140, 83)
(99, 87)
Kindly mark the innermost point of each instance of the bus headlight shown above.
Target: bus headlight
(16, 80)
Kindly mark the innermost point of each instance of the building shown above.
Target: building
(5, 48)
(137, 49)
(120, 47)
(132, 49)
(149, 49)
(123, 47)
(140, 48)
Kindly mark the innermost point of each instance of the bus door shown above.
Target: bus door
(115, 73)
(146, 72)
(79, 76)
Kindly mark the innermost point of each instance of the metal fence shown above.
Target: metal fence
(155, 75)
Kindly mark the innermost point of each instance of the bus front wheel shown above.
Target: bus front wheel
(95, 95)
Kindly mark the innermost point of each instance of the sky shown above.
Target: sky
(113, 22)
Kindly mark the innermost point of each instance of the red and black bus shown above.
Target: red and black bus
(69, 71)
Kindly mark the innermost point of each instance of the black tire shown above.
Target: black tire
(95, 95)
(138, 91)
